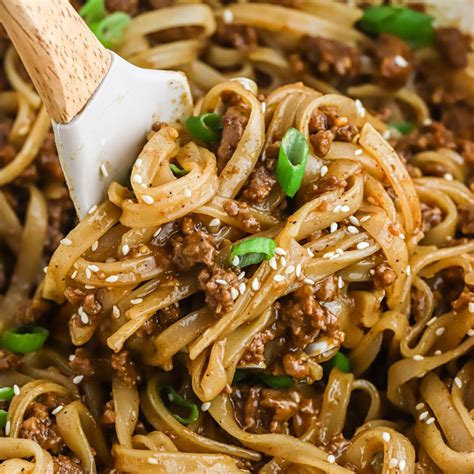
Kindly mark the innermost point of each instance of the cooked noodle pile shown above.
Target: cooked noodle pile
(206, 318)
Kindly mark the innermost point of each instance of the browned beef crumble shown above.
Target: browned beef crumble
(218, 295)
(453, 46)
(327, 289)
(108, 416)
(466, 218)
(236, 36)
(337, 445)
(463, 300)
(67, 465)
(125, 368)
(241, 211)
(8, 360)
(322, 141)
(324, 185)
(83, 362)
(127, 6)
(431, 215)
(419, 303)
(259, 185)
(198, 247)
(178, 33)
(254, 354)
(384, 275)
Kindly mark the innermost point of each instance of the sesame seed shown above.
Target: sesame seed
(427, 121)
(93, 268)
(308, 281)
(147, 199)
(437, 352)
(392, 463)
(387, 134)
(152, 461)
(77, 379)
(241, 276)
(234, 293)
(227, 16)
(157, 232)
(278, 278)
(423, 415)
(255, 284)
(418, 357)
(340, 282)
(331, 459)
(333, 227)
(345, 208)
(137, 178)
(125, 249)
(280, 251)
(337, 208)
(84, 318)
(95, 246)
(242, 288)
(16, 389)
(112, 279)
(236, 261)
(205, 406)
(298, 270)
(283, 261)
(67, 242)
(89, 287)
(45, 269)
(362, 245)
(289, 270)
(220, 281)
(360, 108)
(273, 264)
(429, 421)
(470, 332)
(354, 220)
(138, 162)
(103, 170)
(448, 176)
(386, 436)
(136, 301)
(115, 311)
(471, 307)
(352, 229)
(329, 254)
(431, 321)
(420, 405)
(402, 236)
(187, 193)
(402, 464)
(215, 223)
(72, 357)
(88, 273)
(7, 428)
(324, 170)
(440, 331)
(309, 252)
(408, 270)
(57, 410)
(358, 152)
(458, 382)
(339, 251)
(365, 218)
(92, 209)
(400, 61)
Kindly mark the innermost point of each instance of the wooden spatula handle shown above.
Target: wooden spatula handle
(64, 59)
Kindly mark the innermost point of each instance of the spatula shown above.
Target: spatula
(101, 106)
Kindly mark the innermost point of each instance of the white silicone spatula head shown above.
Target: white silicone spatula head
(102, 107)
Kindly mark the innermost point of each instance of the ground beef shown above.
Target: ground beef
(8, 360)
(127, 6)
(241, 37)
(234, 121)
(327, 289)
(259, 185)
(241, 211)
(466, 217)
(324, 185)
(453, 46)
(330, 57)
(75, 296)
(219, 295)
(432, 216)
(125, 368)
(39, 426)
(83, 362)
(419, 304)
(178, 33)
(384, 275)
(394, 60)
(91, 305)
(67, 465)
(337, 445)
(254, 354)
(169, 315)
(61, 218)
(198, 247)
(463, 300)
(108, 416)
(295, 364)
(322, 141)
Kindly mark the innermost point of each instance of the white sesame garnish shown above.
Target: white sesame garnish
(329, 254)
(471, 307)
(7, 428)
(283, 261)
(152, 461)
(308, 281)
(352, 229)
(430, 420)
(310, 252)
(400, 61)
(227, 16)
(242, 288)
(137, 178)
(358, 152)
(278, 278)
(147, 199)
(263, 105)
(220, 281)
(115, 311)
(273, 264)
(280, 251)
(360, 108)
(103, 170)
(440, 331)
(470, 332)
(365, 218)
(323, 171)
(205, 406)
(392, 463)
(92, 209)
(418, 357)
(362, 245)
(234, 293)
(402, 464)
(448, 177)
(437, 352)
(93, 268)
(458, 382)
(241, 276)
(72, 357)
(298, 270)
(337, 208)
(353, 220)
(236, 261)
(88, 273)
(84, 318)
(112, 279)
(427, 121)
(339, 251)
(67, 242)
(387, 134)
(16, 389)
(157, 232)
(215, 222)
(57, 410)
(77, 379)
(331, 459)
(408, 270)
(289, 270)
(255, 284)
(333, 227)
(431, 321)
(187, 193)
(125, 249)
(138, 162)
(386, 436)
(420, 405)
(95, 246)
(136, 301)
(340, 282)
(402, 236)
(345, 208)
(45, 270)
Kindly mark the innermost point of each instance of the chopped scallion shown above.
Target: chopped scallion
(3, 418)
(177, 171)
(110, 30)
(277, 381)
(205, 127)
(291, 162)
(93, 11)
(403, 127)
(6, 393)
(341, 362)
(252, 251)
(24, 339)
(174, 397)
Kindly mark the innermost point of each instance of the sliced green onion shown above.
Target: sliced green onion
(412, 26)
(6, 393)
(205, 127)
(24, 339)
(291, 162)
(177, 399)
(93, 11)
(252, 251)
(110, 30)
(177, 171)
(341, 362)
(403, 127)
(240, 375)
(277, 381)
(3, 418)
